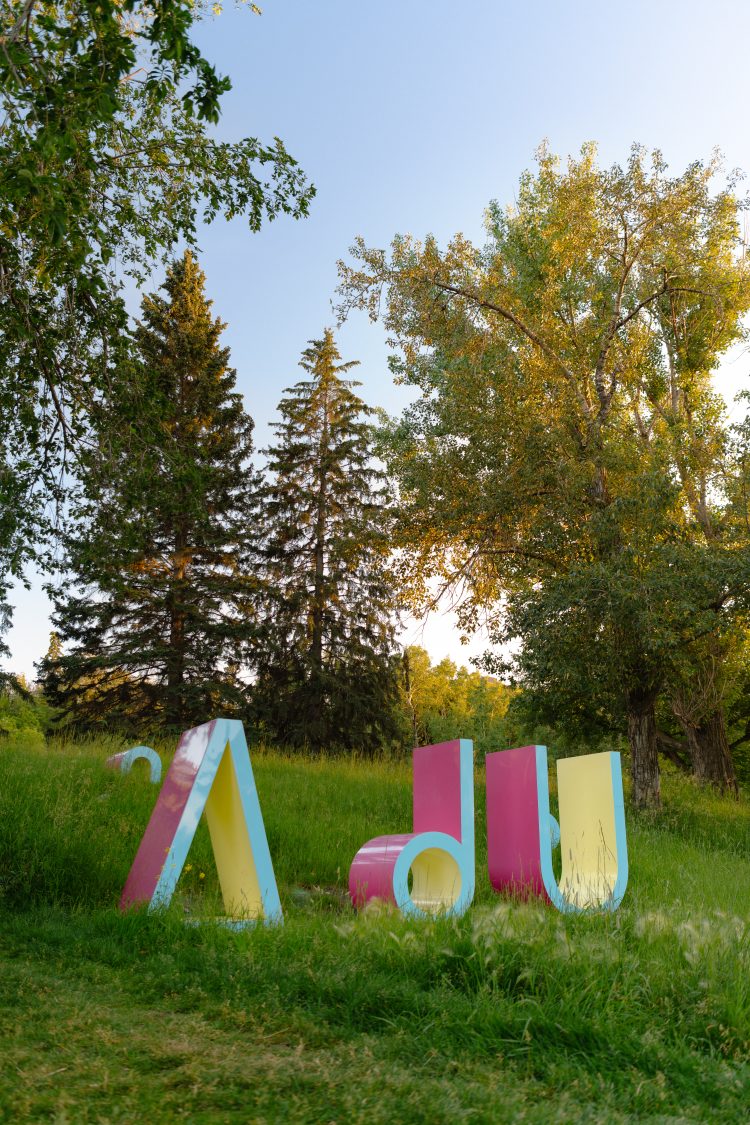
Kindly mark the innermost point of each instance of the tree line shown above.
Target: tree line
(191, 583)
(195, 584)
(567, 470)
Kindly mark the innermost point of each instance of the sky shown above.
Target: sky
(409, 116)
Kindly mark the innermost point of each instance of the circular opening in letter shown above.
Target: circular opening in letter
(435, 881)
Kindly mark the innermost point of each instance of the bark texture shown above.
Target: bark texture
(710, 753)
(644, 752)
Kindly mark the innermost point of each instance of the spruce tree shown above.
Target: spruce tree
(326, 669)
(155, 613)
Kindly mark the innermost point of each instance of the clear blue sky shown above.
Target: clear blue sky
(410, 115)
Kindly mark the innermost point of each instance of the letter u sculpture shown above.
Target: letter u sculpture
(521, 831)
(439, 852)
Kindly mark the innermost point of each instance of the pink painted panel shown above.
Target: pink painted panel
(437, 789)
(513, 855)
(165, 819)
(371, 872)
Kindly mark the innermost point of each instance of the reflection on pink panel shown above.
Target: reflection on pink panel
(170, 806)
(513, 853)
(371, 872)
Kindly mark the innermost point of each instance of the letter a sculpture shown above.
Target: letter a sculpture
(439, 852)
(210, 772)
(521, 831)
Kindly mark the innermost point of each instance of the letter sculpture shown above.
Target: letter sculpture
(124, 761)
(439, 852)
(210, 771)
(521, 831)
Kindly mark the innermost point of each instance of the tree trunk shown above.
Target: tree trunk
(710, 753)
(174, 710)
(644, 752)
(409, 697)
(674, 751)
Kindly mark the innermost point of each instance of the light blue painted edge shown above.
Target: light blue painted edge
(269, 891)
(225, 731)
(545, 836)
(463, 853)
(623, 872)
(467, 798)
(154, 761)
(545, 843)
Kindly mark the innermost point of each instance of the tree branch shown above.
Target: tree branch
(528, 332)
(673, 749)
(23, 20)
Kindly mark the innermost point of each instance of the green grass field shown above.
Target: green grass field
(512, 1013)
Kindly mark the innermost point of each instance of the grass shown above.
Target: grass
(512, 1013)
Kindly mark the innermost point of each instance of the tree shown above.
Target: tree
(62, 69)
(104, 169)
(156, 612)
(566, 411)
(443, 701)
(603, 640)
(326, 668)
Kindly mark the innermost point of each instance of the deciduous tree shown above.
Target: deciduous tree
(566, 423)
(443, 701)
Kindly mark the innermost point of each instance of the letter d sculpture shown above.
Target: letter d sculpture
(439, 853)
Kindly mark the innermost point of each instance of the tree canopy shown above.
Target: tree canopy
(107, 164)
(566, 456)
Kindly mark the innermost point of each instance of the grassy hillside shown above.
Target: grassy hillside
(513, 1013)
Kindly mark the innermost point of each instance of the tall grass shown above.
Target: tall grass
(511, 1013)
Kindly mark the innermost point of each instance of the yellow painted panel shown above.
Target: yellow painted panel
(230, 839)
(587, 828)
(436, 880)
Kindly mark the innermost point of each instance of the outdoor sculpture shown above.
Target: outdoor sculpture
(521, 831)
(440, 850)
(210, 771)
(124, 761)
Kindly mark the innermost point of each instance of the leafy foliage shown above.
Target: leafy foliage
(62, 66)
(565, 466)
(25, 716)
(443, 702)
(105, 168)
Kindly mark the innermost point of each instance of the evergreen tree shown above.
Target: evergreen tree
(326, 666)
(154, 615)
